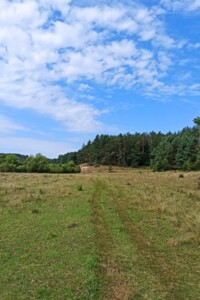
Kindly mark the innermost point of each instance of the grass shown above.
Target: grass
(129, 234)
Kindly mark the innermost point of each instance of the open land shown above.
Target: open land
(102, 234)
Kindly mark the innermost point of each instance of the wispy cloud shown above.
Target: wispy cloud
(181, 5)
(10, 126)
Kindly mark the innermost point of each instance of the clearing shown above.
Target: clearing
(125, 234)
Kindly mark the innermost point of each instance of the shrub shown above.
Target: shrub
(21, 168)
(186, 165)
(110, 168)
(79, 187)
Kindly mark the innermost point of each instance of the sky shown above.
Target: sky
(70, 70)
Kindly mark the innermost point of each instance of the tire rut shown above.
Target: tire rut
(113, 284)
(163, 270)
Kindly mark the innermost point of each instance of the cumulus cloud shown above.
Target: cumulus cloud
(47, 46)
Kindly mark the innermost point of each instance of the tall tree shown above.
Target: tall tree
(197, 122)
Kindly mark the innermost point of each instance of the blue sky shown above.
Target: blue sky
(69, 71)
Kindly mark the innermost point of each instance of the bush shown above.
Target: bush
(181, 176)
(7, 167)
(37, 164)
(70, 168)
(161, 165)
(110, 168)
(55, 168)
(186, 165)
(79, 187)
(21, 169)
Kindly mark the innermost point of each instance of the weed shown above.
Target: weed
(41, 192)
(79, 187)
(53, 235)
(110, 169)
(35, 211)
(72, 225)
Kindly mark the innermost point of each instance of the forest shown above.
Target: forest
(161, 152)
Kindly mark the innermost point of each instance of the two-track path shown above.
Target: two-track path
(130, 264)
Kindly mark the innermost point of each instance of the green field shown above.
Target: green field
(125, 234)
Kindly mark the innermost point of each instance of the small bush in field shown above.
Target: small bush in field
(110, 168)
(79, 187)
(181, 176)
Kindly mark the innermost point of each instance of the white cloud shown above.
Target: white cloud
(8, 125)
(50, 101)
(47, 45)
(60, 5)
(195, 5)
(23, 14)
(84, 87)
(181, 5)
(194, 45)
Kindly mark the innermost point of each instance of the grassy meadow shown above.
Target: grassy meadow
(124, 234)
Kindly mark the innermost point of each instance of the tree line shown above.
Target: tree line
(170, 151)
(161, 152)
(35, 164)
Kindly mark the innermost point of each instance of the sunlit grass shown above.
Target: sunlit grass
(125, 234)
